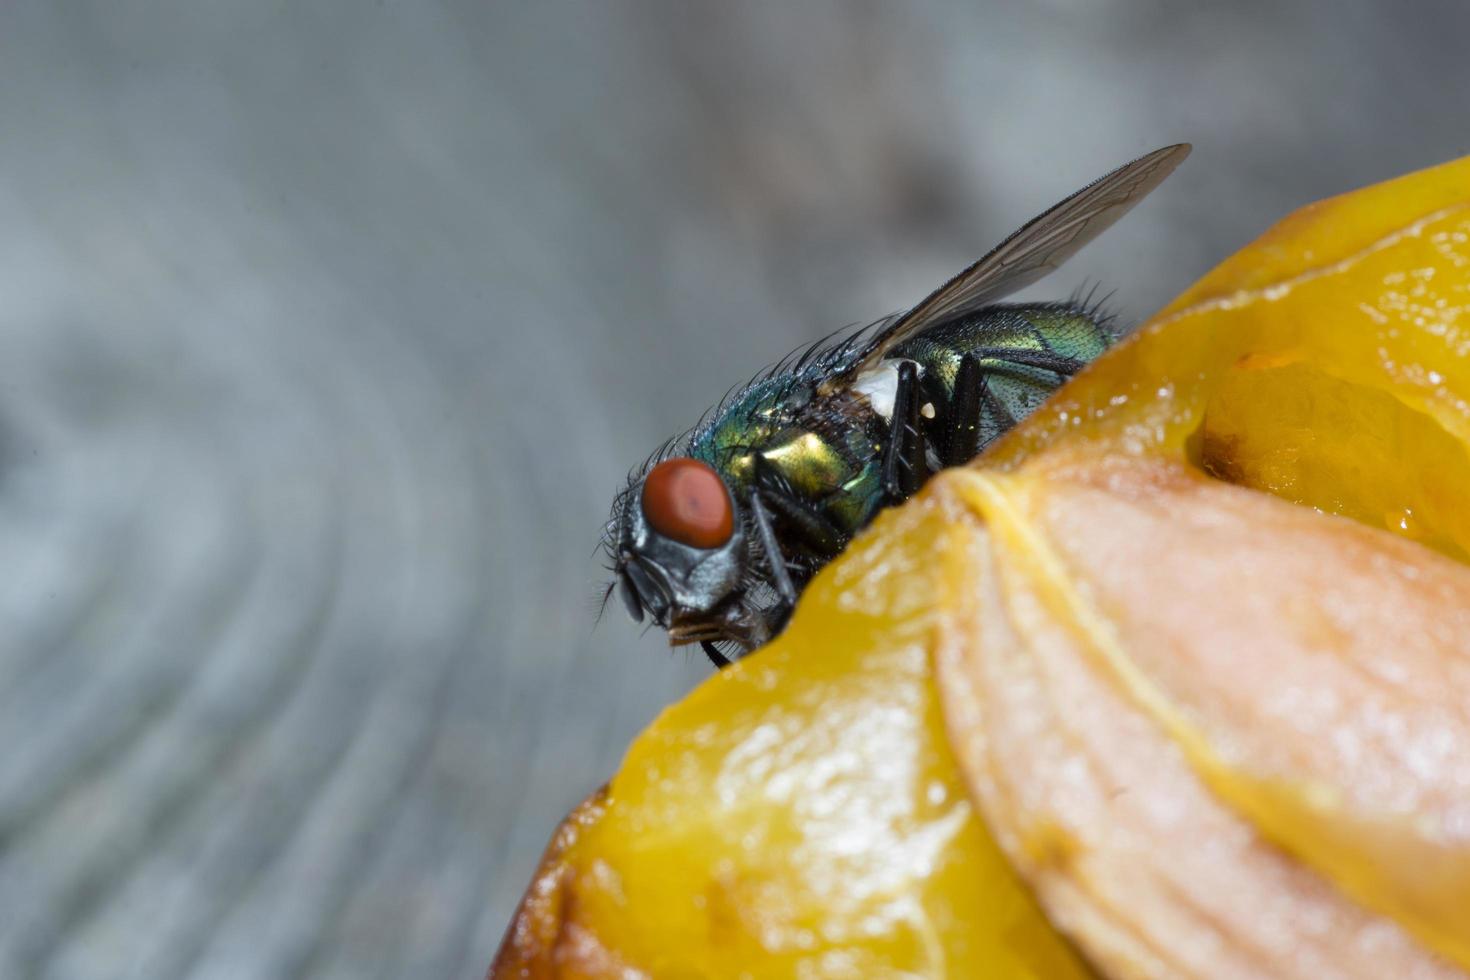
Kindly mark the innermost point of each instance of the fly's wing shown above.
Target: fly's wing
(1038, 247)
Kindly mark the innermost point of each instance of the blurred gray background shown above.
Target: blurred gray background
(328, 330)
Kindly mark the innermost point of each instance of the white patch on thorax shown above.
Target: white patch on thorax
(879, 385)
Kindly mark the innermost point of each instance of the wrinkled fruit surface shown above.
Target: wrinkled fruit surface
(1192, 712)
(1173, 682)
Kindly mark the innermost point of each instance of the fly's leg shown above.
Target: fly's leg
(809, 526)
(1044, 359)
(780, 577)
(905, 461)
(715, 656)
(988, 398)
(972, 393)
(962, 438)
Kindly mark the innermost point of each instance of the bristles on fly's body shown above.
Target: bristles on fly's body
(1086, 302)
(826, 355)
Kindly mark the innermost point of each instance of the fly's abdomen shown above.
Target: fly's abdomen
(1025, 352)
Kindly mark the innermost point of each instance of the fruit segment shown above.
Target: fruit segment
(1165, 691)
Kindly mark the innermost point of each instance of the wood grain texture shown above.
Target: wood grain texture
(326, 336)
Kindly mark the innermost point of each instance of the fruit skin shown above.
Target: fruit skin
(798, 814)
(1160, 686)
(542, 942)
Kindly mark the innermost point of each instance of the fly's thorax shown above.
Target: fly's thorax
(879, 384)
(809, 462)
(822, 447)
(829, 470)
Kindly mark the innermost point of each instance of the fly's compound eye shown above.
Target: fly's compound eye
(686, 501)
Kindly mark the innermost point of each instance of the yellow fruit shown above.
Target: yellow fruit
(1174, 698)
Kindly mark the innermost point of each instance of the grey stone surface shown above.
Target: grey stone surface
(327, 331)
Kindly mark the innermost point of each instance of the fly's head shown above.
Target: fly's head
(680, 552)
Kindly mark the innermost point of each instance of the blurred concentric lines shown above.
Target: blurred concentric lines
(327, 332)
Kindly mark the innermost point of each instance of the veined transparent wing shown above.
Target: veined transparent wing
(1036, 248)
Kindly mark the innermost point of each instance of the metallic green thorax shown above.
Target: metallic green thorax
(829, 447)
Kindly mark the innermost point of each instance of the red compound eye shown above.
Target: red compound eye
(686, 500)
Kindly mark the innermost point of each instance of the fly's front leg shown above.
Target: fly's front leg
(905, 461)
(799, 519)
(715, 656)
(780, 577)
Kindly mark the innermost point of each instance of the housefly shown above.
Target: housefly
(714, 536)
